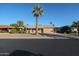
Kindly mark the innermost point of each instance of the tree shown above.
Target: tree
(65, 29)
(13, 25)
(20, 26)
(20, 23)
(37, 11)
(76, 25)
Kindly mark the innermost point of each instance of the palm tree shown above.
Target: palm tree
(37, 11)
(76, 25)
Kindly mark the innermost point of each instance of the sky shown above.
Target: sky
(59, 14)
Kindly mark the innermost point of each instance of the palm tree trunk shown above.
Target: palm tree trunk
(36, 25)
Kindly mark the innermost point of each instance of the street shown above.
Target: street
(44, 47)
(56, 45)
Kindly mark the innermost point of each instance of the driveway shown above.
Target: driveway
(64, 36)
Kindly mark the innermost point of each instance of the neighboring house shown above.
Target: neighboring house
(41, 28)
(74, 29)
(6, 28)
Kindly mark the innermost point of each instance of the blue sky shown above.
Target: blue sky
(58, 14)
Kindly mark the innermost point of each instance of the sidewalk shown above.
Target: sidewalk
(22, 36)
(31, 36)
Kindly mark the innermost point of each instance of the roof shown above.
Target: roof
(40, 26)
(6, 26)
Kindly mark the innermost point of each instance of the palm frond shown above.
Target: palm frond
(37, 10)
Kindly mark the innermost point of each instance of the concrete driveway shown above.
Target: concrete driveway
(62, 35)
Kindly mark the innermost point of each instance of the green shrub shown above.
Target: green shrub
(22, 31)
(13, 31)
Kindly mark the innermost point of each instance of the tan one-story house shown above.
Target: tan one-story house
(41, 29)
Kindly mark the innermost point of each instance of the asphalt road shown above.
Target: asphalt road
(57, 47)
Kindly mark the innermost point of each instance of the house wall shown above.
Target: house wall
(42, 30)
(33, 31)
(48, 30)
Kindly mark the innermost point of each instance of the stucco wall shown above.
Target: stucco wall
(48, 30)
(45, 30)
